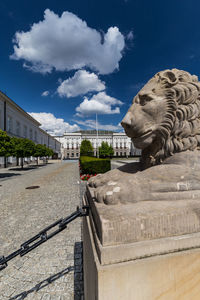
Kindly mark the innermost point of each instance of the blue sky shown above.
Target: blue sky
(65, 61)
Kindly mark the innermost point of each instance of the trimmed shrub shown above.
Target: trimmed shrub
(92, 165)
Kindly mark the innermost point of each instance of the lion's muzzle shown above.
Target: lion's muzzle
(126, 123)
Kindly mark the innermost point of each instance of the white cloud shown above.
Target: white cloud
(45, 93)
(67, 43)
(91, 124)
(55, 126)
(100, 103)
(81, 83)
(130, 36)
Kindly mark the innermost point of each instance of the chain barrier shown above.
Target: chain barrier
(42, 284)
(43, 235)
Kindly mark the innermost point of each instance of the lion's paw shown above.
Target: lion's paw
(104, 179)
(111, 193)
(95, 181)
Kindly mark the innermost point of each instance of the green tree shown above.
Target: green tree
(86, 148)
(23, 148)
(6, 146)
(40, 151)
(49, 152)
(105, 150)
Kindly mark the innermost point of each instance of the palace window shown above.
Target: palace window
(35, 136)
(9, 125)
(25, 131)
(18, 128)
(31, 134)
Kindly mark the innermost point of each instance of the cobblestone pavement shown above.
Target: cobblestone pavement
(46, 273)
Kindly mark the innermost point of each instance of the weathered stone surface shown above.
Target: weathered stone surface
(163, 121)
(122, 233)
(143, 247)
(112, 272)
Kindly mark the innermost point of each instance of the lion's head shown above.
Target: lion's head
(165, 116)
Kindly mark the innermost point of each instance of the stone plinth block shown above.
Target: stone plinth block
(142, 251)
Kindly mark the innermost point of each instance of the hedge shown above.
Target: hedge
(93, 165)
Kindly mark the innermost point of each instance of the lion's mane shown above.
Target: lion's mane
(180, 129)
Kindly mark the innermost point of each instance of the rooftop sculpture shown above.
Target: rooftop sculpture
(163, 121)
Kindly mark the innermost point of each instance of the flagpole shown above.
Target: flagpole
(97, 142)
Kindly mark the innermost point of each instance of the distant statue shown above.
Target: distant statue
(163, 121)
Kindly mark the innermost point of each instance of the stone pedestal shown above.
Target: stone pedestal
(142, 251)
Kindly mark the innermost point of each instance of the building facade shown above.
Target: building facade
(71, 142)
(18, 123)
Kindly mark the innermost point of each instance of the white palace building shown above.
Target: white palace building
(71, 142)
(16, 122)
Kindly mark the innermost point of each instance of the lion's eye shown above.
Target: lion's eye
(144, 99)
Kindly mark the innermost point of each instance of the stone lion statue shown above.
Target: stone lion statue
(163, 121)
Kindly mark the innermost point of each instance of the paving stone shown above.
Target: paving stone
(23, 214)
(46, 297)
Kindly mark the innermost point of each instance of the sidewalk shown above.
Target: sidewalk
(23, 214)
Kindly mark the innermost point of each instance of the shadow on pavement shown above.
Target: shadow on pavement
(30, 167)
(78, 277)
(44, 165)
(78, 271)
(4, 175)
(42, 284)
(24, 169)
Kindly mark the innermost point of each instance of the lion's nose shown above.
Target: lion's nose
(126, 122)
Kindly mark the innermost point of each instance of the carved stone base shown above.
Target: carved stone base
(142, 251)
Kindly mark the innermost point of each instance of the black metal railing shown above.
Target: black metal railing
(43, 236)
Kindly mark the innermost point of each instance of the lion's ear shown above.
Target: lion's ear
(171, 77)
(195, 78)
